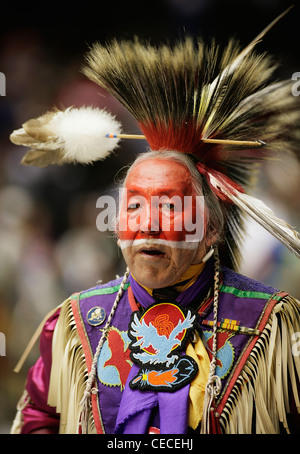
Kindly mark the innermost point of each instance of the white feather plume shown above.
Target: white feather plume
(83, 131)
(72, 135)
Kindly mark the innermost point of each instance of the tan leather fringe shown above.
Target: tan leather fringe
(17, 424)
(261, 391)
(68, 374)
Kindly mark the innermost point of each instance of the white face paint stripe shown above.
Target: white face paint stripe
(152, 241)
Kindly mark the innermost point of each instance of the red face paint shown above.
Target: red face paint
(157, 238)
(159, 203)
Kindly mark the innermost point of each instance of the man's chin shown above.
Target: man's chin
(152, 277)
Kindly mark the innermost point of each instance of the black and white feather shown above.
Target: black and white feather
(179, 96)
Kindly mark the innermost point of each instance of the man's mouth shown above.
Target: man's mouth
(151, 252)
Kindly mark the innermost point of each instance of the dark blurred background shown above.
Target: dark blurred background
(49, 243)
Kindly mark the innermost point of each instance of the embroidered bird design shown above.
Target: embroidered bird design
(166, 380)
(162, 344)
(225, 354)
(119, 356)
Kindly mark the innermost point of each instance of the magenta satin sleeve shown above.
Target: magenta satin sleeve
(38, 414)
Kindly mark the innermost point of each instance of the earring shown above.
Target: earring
(208, 255)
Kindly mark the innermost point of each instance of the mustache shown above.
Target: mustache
(159, 242)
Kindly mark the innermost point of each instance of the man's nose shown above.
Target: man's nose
(150, 220)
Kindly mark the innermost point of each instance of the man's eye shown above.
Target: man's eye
(169, 206)
(133, 206)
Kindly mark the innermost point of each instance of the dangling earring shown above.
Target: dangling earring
(208, 255)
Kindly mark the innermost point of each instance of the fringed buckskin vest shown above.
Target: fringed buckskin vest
(255, 325)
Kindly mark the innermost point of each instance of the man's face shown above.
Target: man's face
(157, 210)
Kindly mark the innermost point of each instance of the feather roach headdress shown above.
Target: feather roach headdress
(218, 106)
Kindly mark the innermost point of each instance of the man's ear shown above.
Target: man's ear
(212, 238)
(119, 243)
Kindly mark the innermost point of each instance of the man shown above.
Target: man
(182, 343)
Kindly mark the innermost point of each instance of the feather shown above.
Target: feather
(72, 135)
(190, 92)
(179, 96)
(239, 58)
(183, 94)
(261, 213)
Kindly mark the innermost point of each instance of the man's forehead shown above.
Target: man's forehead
(164, 174)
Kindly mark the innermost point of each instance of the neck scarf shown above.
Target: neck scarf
(171, 411)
